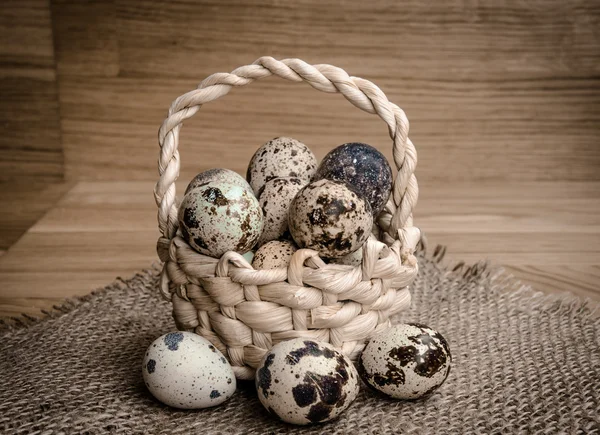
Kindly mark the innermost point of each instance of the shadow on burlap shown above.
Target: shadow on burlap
(523, 363)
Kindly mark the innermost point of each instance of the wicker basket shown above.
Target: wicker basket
(243, 311)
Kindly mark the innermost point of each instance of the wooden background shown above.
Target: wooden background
(493, 90)
(503, 99)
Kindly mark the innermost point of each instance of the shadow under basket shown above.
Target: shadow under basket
(243, 311)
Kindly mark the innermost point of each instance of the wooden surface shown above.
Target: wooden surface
(493, 90)
(30, 142)
(545, 233)
(503, 100)
(23, 205)
(503, 90)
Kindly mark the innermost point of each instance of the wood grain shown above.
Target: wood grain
(579, 279)
(30, 143)
(456, 40)
(488, 135)
(503, 100)
(101, 230)
(23, 205)
(92, 47)
(500, 91)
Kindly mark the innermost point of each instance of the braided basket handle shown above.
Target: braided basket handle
(395, 221)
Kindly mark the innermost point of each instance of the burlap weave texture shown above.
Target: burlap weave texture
(523, 363)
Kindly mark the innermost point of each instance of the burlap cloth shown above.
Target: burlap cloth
(523, 363)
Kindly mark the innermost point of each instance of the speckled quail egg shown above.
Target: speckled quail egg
(303, 381)
(275, 198)
(274, 254)
(184, 370)
(217, 174)
(362, 167)
(281, 157)
(408, 361)
(219, 217)
(330, 218)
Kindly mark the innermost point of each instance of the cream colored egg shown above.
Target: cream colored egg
(281, 157)
(275, 198)
(219, 217)
(184, 370)
(274, 254)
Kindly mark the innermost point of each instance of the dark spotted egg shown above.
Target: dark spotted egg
(281, 157)
(362, 167)
(275, 198)
(302, 381)
(184, 370)
(217, 174)
(220, 216)
(330, 218)
(407, 361)
(274, 254)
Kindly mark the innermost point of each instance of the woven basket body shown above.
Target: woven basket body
(243, 311)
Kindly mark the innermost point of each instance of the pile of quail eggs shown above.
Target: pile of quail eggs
(287, 202)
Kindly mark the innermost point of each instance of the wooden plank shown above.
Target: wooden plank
(547, 233)
(519, 248)
(94, 252)
(130, 206)
(581, 280)
(86, 37)
(23, 205)
(30, 146)
(101, 230)
(76, 246)
(51, 266)
(15, 307)
(531, 207)
(542, 130)
(487, 87)
(451, 40)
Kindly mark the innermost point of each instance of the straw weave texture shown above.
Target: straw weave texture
(523, 363)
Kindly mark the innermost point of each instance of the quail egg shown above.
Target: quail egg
(275, 198)
(303, 381)
(274, 254)
(329, 217)
(281, 157)
(184, 370)
(408, 361)
(219, 217)
(364, 168)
